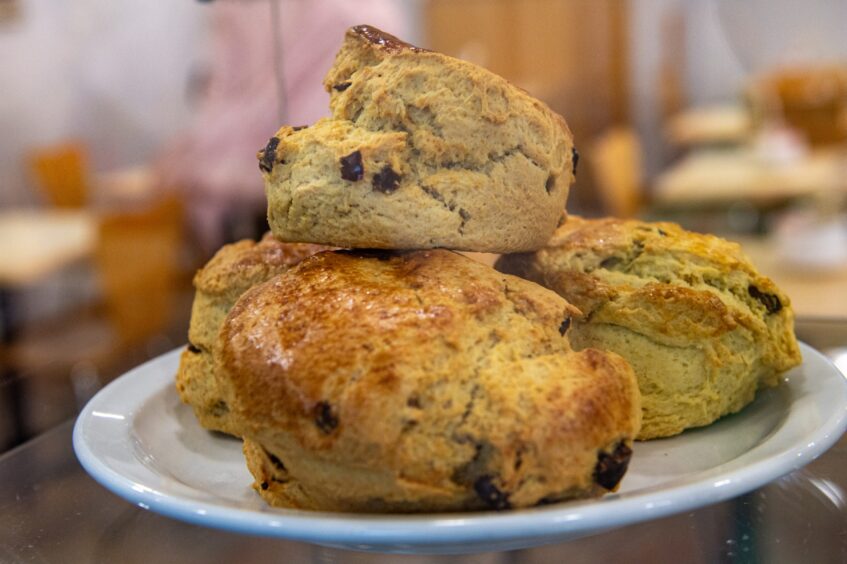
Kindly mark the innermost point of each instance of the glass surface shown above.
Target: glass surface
(52, 511)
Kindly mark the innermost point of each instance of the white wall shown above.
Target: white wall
(713, 74)
(90, 68)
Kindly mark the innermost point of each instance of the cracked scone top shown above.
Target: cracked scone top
(422, 381)
(422, 151)
(233, 270)
(700, 326)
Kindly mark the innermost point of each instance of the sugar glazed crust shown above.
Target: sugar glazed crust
(423, 381)
(422, 151)
(234, 269)
(700, 326)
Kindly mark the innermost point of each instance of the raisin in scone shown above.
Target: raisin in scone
(422, 151)
(424, 381)
(700, 326)
(233, 270)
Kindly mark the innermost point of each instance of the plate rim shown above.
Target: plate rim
(390, 531)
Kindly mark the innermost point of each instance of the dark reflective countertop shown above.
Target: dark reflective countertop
(52, 511)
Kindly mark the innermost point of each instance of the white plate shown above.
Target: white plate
(139, 441)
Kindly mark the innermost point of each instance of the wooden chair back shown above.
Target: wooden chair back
(811, 100)
(137, 257)
(615, 160)
(61, 173)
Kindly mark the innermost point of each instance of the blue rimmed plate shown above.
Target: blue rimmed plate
(140, 442)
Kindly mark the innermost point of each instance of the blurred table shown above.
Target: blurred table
(38, 242)
(53, 512)
(34, 243)
(710, 125)
(721, 177)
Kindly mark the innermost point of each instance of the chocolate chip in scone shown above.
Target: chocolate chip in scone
(276, 462)
(408, 425)
(192, 348)
(551, 181)
(414, 401)
(464, 214)
(342, 86)
(661, 232)
(351, 167)
(490, 494)
(574, 159)
(325, 419)
(265, 485)
(485, 455)
(770, 301)
(219, 408)
(518, 460)
(563, 328)
(610, 468)
(386, 180)
(268, 155)
(299, 127)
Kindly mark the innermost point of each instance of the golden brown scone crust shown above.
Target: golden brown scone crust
(700, 326)
(233, 270)
(420, 381)
(422, 151)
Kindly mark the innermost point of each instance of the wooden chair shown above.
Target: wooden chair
(61, 173)
(137, 258)
(615, 160)
(812, 100)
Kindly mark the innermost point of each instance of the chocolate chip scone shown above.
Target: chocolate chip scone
(700, 326)
(233, 270)
(423, 381)
(422, 151)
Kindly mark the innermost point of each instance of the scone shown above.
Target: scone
(422, 151)
(700, 326)
(232, 271)
(423, 381)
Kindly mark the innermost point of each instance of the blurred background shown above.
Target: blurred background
(130, 128)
